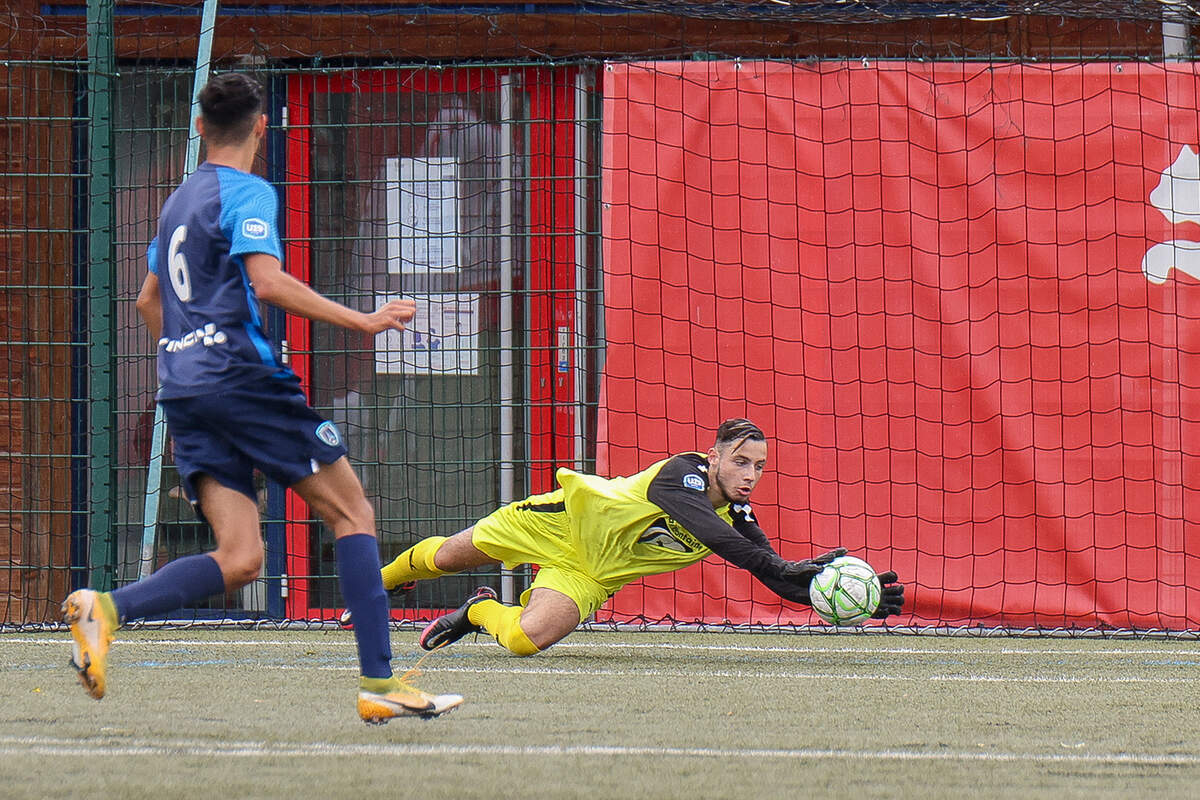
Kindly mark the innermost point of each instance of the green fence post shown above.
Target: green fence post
(102, 551)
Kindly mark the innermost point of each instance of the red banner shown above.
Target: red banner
(962, 301)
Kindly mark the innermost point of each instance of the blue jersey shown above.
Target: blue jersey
(212, 334)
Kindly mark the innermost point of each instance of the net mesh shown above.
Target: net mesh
(953, 296)
(559, 357)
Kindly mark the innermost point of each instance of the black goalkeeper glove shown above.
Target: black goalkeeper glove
(801, 573)
(891, 599)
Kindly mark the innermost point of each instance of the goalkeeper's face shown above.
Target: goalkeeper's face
(734, 469)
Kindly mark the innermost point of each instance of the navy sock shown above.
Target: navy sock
(181, 582)
(362, 588)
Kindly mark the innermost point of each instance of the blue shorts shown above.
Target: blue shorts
(268, 426)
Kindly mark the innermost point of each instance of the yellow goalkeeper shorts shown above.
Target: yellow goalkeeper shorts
(535, 531)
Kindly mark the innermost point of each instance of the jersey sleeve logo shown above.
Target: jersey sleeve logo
(255, 228)
(745, 510)
(693, 481)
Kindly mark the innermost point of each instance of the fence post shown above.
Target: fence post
(101, 286)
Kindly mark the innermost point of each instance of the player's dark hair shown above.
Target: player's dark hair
(230, 104)
(739, 430)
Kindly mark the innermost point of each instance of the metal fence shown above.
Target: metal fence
(497, 111)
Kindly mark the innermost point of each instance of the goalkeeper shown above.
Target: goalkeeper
(593, 535)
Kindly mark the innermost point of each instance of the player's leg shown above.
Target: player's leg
(546, 619)
(433, 557)
(530, 531)
(94, 616)
(237, 529)
(429, 558)
(237, 560)
(549, 610)
(335, 494)
(233, 516)
(296, 447)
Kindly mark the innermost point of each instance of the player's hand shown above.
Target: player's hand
(801, 573)
(392, 315)
(891, 599)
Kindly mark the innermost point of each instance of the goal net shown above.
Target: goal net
(960, 298)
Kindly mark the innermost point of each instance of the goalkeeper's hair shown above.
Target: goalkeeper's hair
(230, 104)
(738, 430)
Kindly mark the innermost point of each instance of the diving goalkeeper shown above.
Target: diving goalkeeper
(594, 535)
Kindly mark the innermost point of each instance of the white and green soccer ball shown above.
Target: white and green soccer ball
(846, 592)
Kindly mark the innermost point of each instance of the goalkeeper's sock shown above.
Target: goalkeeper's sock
(414, 564)
(362, 589)
(504, 623)
(177, 585)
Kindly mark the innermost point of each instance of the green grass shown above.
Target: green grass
(227, 713)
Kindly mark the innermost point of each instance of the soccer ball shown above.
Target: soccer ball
(846, 592)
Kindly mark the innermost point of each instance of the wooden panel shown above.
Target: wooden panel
(421, 37)
(35, 250)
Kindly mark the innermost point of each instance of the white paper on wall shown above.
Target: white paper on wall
(422, 214)
(442, 339)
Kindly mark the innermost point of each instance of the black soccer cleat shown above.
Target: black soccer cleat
(450, 628)
(346, 620)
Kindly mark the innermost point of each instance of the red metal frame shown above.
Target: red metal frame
(550, 282)
(297, 194)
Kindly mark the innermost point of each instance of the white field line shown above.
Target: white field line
(800, 676)
(108, 748)
(351, 665)
(348, 642)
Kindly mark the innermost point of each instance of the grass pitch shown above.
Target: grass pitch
(270, 714)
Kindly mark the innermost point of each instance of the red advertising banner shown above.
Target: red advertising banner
(961, 299)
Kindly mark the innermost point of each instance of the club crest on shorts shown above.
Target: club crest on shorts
(693, 481)
(327, 432)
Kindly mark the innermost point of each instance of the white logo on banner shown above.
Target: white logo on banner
(1177, 196)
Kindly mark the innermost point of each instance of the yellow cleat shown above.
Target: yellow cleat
(403, 700)
(92, 631)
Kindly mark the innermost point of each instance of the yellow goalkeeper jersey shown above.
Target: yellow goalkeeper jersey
(655, 521)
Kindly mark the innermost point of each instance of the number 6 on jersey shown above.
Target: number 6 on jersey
(177, 266)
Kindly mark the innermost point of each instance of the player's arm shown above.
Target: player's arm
(746, 546)
(745, 524)
(796, 588)
(274, 286)
(149, 306)
(692, 509)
